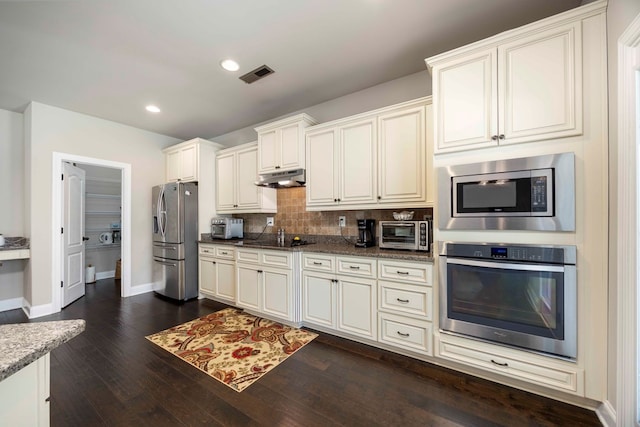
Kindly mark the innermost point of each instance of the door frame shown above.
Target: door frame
(626, 234)
(57, 222)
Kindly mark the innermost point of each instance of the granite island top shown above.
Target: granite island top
(23, 343)
(322, 244)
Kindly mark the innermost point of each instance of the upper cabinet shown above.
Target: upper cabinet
(281, 144)
(237, 170)
(509, 89)
(375, 160)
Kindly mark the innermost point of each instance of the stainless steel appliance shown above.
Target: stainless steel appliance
(520, 295)
(283, 179)
(366, 233)
(227, 228)
(175, 238)
(532, 193)
(411, 235)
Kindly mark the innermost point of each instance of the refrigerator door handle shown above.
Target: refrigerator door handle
(162, 213)
(168, 264)
(168, 248)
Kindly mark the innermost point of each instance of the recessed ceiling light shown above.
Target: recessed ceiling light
(230, 65)
(152, 109)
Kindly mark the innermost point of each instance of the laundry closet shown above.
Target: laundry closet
(103, 216)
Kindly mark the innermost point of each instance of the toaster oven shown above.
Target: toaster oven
(409, 235)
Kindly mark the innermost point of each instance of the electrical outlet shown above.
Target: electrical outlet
(269, 221)
(342, 221)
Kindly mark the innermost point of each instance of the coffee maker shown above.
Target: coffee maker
(366, 233)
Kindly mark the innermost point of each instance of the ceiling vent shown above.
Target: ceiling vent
(257, 74)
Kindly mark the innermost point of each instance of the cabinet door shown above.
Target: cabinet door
(277, 292)
(226, 280)
(540, 86)
(268, 151)
(465, 100)
(357, 304)
(291, 147)
(189, 163)
(358, 163)
(402, 156)
(173, 164)
(248, 286)
(318, 299)
(207, 275)
(225, 182)
(247, 192)
(321, 168)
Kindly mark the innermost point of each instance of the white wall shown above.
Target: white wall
(50, 129)
(392, 92)
(11, 203)
(620, 13)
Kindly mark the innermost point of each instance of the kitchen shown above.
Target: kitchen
(56, 130)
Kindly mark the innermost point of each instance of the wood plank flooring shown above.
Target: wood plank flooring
(111, 375)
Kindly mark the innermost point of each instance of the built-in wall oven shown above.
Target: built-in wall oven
(519, 295)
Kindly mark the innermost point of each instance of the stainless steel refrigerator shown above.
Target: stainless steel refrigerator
(175, 239)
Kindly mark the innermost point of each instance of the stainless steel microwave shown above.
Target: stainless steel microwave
(409, 235)
(532, 193)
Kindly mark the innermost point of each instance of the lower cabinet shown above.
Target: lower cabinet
(265, 283)
(24, 396)
(216, 272)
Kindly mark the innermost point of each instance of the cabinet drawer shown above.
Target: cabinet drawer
(542, 371)
(405, 299)
(356, 266)
(248, 256)
(280, 259)
(207, 250)
(406, 333)
(411, 272)
(225, 252)
(319, 262)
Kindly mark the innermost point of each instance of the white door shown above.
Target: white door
(72, 233)
(247, 192)
(321, 171)
(226, 182)
(277, 299)
(358, 149)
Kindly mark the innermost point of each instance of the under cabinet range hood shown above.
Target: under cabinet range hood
(282, 179)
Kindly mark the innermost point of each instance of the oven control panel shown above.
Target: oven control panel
(505, 252)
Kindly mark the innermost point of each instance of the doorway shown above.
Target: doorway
(124, 170)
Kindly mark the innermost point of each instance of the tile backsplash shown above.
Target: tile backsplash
(293, 217)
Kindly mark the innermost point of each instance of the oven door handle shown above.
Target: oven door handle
(506, 265)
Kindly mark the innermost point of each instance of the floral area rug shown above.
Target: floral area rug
(233, 347)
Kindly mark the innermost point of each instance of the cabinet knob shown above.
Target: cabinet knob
(213, 262)
(501, 136)
(335, 200)
(379, 197)
(494, 138)
(277, 167)
(338, 199)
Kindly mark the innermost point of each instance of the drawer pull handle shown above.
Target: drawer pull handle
(499, 364)
(206, 250)
(224, 253)
(317, 263)
(405, 273)
(354, 267)
(405, 301)
(213, 262)
(406, 335)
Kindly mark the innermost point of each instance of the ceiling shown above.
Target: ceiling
(110, 59)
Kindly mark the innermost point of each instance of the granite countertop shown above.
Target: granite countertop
(323, 244)
(14, 243)
(23, 343)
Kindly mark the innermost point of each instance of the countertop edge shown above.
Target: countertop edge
(24, 343)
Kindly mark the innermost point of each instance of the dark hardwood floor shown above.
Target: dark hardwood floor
(111, 375)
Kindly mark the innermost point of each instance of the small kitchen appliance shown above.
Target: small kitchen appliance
(366, 233)
(410, 235)
(227, 228)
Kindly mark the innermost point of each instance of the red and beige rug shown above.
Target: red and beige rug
(233, 347)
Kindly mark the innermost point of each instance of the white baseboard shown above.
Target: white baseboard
(105, 275)
(11, 304)
(606, 414)
(142, 289)
(38, 310)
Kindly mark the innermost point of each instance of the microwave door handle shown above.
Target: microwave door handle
(506, 266)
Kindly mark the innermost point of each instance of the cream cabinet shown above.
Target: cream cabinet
(405, 305)
(24, 396)
(511, 89)
(375, 160)
(339, 293)
(265, 283)
(194, 160)
(281, 144)
(236, 174)
(217, 273)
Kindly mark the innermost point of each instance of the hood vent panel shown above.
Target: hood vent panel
(257, 74)
(284, 179)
